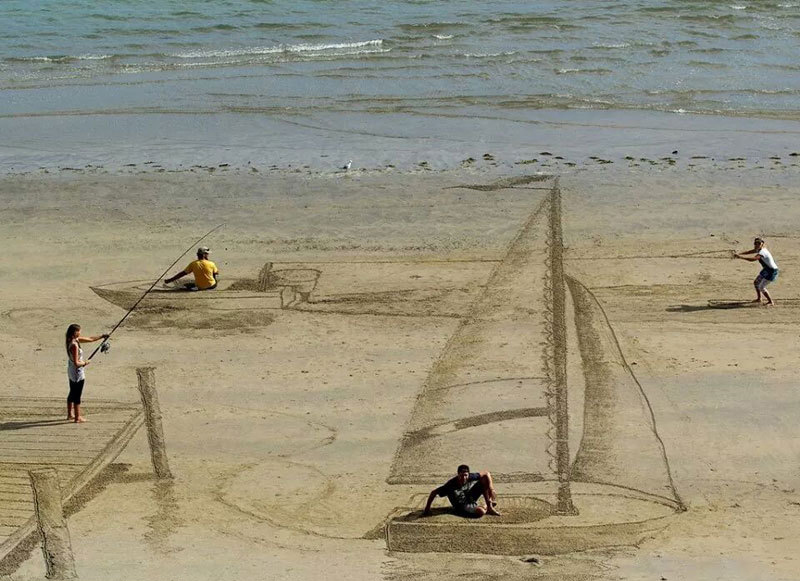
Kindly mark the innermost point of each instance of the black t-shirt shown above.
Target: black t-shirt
(458, 494)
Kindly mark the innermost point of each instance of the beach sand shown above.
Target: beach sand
(282, 425)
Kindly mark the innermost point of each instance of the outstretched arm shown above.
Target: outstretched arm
(176, 277)
(428, 504)
(93, 338)
(750, 255)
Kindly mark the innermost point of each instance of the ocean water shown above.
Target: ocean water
(267, 66)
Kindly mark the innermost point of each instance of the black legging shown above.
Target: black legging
(75, 391)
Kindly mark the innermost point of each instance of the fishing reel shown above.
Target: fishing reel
(105, 347)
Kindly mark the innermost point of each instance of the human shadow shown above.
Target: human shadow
(4, 426)
(711, 306)
(416, 515)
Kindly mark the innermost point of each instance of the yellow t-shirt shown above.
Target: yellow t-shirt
(203, 271)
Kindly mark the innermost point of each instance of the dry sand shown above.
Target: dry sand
(282, 425)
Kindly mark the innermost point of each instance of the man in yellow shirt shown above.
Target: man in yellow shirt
(205, 272)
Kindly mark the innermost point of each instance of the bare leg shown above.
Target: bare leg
(488, 487)
(79, 419)
(70, 415)
(489, 494)
(770, 302)
(758, 291)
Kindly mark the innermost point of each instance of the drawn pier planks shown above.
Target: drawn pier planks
(35, 434)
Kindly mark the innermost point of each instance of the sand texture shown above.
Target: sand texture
(584, 334)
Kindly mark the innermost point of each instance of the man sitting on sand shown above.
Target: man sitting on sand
(464, 490)
(205, 272)
(769, 268)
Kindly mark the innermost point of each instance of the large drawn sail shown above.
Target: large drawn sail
(497, 395)
(620, 444)
(498, 378)
(497, 398)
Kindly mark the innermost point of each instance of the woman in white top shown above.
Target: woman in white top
(769, 268)
(75, 371)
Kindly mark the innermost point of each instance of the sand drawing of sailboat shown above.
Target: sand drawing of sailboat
(580, 468)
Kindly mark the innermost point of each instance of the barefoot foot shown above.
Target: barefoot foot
(80, 420)
(491, 510)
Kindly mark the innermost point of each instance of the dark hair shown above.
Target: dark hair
(70, 332)
(463, 468)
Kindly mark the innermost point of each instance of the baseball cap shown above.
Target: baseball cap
(203, 250)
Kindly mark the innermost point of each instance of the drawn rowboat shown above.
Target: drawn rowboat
(273, 289)
(226, 296)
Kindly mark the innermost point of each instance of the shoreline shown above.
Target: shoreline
(323, 143)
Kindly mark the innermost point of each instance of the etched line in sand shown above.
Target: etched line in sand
(495, 308)
(710, 254)
(165, 522)
(504, 183)
(76, 474)
(56, 543)
(474, 421)
(620, 500)
(559, 334)
(307, 510)
(278, 513)
(152, 413)
(612, 413)
(488, 381)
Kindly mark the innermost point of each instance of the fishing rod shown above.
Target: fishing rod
(105, 345)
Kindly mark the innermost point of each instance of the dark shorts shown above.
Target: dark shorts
(75, 391)
(468, 508)
(190, 286)
(766, 276)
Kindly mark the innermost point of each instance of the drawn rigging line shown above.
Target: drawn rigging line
(653, 423)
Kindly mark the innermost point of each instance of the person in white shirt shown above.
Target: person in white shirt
(769, 268)
(76, 366)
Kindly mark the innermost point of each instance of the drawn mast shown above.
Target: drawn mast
(558, 325)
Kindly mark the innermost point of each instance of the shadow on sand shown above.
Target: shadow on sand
(712, 305)
(435, 511)
(31, 424)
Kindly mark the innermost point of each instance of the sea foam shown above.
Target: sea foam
(290, 48)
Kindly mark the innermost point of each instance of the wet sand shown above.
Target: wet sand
(282, 426)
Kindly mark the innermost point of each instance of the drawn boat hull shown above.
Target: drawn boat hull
(229, 294)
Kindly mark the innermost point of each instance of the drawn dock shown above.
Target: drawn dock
(34, 434)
